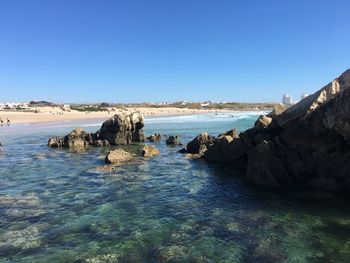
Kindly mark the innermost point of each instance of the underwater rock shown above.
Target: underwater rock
(173, 140)
(26, 200)
(118, 156)
(108, 258)
(149, 151)
(20, 239)
(39, 156)
(107, 168)
(171, 253)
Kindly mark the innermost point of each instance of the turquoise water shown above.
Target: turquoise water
(56, 208)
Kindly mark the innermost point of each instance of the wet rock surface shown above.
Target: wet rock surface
(121, 129)
(154, 137)
(303, 147)
(200, 144)
(118, 156)
(173, 140)
(149, 151)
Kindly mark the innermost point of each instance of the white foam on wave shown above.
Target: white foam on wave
(230, 116)
(92, 125)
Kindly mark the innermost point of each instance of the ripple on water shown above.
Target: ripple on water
(56, 207)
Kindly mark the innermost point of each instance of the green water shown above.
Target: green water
(56, 208)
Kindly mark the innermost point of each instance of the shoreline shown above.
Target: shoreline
(31, 118)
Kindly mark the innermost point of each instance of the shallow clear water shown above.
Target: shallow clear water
(56, 208)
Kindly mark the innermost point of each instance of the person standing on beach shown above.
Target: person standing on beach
(1, 121)
(8, 122)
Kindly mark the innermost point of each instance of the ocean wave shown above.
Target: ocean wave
(233, 116)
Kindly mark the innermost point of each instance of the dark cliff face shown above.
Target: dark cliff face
(306, 146)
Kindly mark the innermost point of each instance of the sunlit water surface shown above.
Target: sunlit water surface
(56, 208)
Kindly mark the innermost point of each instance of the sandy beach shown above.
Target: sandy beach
(50, 114)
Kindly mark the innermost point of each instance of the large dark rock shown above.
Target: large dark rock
(123, 129)
(226, 149)
(200, 144)
(76, 139)
(173, 140)
(119, 129)
(304, 148)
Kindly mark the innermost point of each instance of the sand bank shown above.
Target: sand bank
(55, 115)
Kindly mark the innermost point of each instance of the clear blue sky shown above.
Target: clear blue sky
(163, 50)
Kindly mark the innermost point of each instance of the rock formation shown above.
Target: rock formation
(154, 137)
(304, 148)
(173, 140)
(121, 129)
(200, 144)
(118, 156)
(149, 151)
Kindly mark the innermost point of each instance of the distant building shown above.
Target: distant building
(303, 96)
(205, 104)
(287, 100)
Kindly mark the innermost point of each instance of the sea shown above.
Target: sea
(56, 207)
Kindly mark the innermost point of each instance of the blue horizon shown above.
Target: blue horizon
(156, 51)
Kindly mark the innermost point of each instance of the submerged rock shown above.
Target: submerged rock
(20, 239)
(149, 151)
(173, 140)
(306, 146)
(118, 156)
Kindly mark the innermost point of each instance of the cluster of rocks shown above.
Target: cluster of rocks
(121, 129)
(305, 147)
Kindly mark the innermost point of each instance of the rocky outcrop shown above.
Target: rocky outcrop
(76, 139)
(121, 129)
(173, 140)
(118, 156)
(200, 144)
(149, 151)
(154, 137)
(304, 148)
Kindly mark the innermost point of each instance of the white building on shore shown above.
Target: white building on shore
(287, 99)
